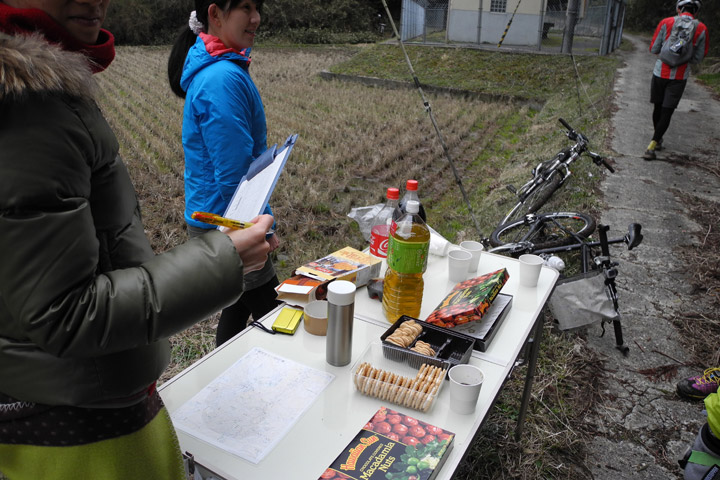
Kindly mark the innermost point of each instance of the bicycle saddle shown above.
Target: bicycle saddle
(633, 237)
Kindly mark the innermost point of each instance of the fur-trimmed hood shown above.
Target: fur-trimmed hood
(29, 64)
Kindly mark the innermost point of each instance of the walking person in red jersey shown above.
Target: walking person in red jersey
(678, 41)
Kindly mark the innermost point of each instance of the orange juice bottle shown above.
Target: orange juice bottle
(407, 260)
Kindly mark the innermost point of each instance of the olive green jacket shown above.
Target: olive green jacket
(86, 308)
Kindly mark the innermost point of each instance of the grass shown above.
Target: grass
(354, 142)
(712, 80)
(522, 75)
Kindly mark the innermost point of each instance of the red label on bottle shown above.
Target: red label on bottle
(379, 240)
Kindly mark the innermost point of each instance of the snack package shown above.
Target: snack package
(393, 446)
(469, 300)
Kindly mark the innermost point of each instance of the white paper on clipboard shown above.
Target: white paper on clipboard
(254, 190)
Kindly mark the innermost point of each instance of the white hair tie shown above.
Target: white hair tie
(195, 25)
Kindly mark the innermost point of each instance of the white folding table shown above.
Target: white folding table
(341, 411)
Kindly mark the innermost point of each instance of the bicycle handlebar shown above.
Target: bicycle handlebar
(601, 161)
(565, 124)
(607, 165)
(580, 138)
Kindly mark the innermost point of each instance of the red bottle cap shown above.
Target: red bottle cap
(411, 185)
(393, 193)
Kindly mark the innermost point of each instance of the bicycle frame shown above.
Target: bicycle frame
(610, 273)
(545, 170)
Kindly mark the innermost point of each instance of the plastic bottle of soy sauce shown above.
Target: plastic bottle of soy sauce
(407, 260)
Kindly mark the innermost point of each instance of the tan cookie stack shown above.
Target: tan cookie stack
(405, 334)
(424, 348)
(418, 393)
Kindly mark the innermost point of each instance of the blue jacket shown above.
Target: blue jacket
(224, 127)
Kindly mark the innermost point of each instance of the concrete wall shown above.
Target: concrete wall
(527, 7)
(462, 27)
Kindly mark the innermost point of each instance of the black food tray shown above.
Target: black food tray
(451, 348)
(485, 329)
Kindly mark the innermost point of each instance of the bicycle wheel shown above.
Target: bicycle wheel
(552, 230)
(516, 213)
(542, 194)
(532, 202)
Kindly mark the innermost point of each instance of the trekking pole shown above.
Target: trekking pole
(428, 109)
(508, 25)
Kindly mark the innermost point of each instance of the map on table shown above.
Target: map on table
(250, 407)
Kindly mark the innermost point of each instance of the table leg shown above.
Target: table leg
(532, 363)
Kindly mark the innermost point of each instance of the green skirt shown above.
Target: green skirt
(152, 452)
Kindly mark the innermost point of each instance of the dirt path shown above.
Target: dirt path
(642, 425)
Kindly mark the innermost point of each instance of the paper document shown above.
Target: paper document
(256, 187)
(251, 406)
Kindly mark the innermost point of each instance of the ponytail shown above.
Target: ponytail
(176, 61)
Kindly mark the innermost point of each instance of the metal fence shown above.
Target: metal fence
(599, 22)
(424, 21)
(598, 28)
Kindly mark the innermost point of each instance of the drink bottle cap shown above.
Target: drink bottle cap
(393, 193)
(411, 185)
(341, 292)
(413, 206)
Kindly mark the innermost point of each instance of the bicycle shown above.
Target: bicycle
(543, 230)
(532, 236)
(548, 176)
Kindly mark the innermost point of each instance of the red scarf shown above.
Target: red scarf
(26, 21)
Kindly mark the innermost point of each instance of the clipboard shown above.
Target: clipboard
(256, 187)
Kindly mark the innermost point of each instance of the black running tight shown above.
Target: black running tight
(661, 120)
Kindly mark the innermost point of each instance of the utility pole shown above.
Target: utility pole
(570, 21)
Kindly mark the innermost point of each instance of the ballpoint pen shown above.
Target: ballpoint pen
(214, 219)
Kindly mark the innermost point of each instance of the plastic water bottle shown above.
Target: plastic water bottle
(380, 230)
(411, 193)
(407, 260)
(555, 262)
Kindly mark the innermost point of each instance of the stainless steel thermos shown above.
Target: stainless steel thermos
(341, 309)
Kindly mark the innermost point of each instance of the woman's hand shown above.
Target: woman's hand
(274, 242)
(251, 244)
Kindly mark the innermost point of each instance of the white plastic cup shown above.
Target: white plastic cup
(530, 266)
(458, 265)
(474, 248)
(465, 383)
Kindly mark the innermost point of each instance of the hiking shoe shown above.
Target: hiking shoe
(650, 152)
(700, 386)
